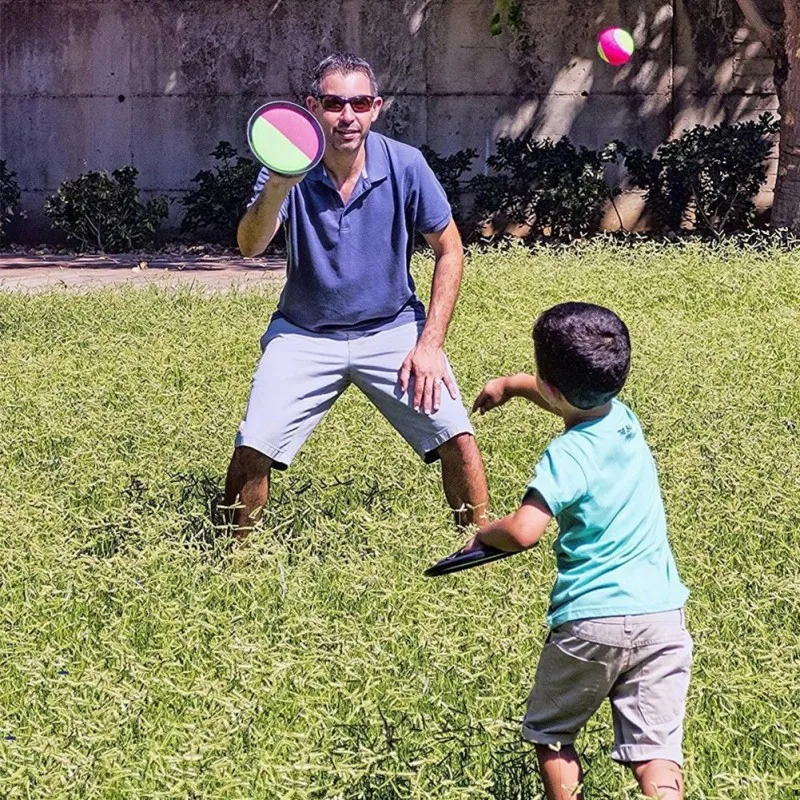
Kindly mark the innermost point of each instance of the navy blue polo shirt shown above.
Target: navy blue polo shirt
(348, 265)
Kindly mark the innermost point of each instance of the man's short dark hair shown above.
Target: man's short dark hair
(342, 64)
(584, 351)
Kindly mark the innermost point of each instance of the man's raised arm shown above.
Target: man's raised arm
(261, 221)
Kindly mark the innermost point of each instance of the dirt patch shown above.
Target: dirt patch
(31, 272)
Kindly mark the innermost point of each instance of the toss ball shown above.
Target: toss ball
(615, 45)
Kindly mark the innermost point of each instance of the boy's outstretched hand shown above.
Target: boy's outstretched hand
(493, 394)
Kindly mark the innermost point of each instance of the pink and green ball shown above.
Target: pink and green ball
(615, 45)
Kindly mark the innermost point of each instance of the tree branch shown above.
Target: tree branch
(758, 22)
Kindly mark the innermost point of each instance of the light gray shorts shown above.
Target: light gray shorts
(302, 373)
(640, 662)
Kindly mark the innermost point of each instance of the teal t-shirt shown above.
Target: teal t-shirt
(599, 480)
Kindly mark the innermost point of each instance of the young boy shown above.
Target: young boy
(616, 609)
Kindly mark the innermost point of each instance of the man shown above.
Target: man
(348, 312)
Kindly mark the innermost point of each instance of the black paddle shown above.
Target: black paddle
(462, 559)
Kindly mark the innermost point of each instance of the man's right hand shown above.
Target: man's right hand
(494, 393)
(282, 182)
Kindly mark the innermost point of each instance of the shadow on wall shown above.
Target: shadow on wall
(695, 63)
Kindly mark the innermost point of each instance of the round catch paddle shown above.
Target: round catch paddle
(459, 560)
(285, 138)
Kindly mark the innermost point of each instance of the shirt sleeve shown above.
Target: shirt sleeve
(261, 182)
(429, 204)
(559, 479)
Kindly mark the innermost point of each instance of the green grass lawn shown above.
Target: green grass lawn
(139, 660)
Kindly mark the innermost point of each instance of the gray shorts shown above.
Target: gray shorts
(640, 662)
(302, 373)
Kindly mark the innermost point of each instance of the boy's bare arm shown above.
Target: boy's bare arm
(518, 531)
(498, 391)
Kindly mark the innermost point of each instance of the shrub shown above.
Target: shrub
(551, 188)
(450, 170)
(98, 211)
(707, 175)
(9, 200)
(221, 196)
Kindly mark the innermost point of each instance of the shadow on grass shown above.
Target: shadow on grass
(196, 499)
(298, 512)
(450, 754)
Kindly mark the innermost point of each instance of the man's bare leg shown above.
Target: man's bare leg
(247, 489)
(659, 778)
(561, 772)
(464, 480)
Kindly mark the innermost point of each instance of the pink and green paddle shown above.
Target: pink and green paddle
(286, 138)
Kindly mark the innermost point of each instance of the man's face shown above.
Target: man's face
(345, 128)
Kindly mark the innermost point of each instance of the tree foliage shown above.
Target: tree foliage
(9, 200)
(98, 211)
(708, 175)
(221, 196)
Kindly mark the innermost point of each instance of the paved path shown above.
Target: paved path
(32, 273)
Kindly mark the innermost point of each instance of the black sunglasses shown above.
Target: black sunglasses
(334, 102)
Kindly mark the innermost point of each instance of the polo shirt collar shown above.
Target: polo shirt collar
(376, 165)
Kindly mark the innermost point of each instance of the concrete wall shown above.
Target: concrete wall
(157, 83)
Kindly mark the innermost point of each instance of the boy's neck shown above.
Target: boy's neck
(575, 416)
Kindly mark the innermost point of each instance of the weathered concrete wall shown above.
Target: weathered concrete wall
(158, 83)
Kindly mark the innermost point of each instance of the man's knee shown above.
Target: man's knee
(640, 767)
(659, 778)
(461, 447)
(249, 464)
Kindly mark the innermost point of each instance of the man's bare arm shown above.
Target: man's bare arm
(261, 221)
(427, 362)
(447, 272)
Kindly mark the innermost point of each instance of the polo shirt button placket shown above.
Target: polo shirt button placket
(344, 220)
